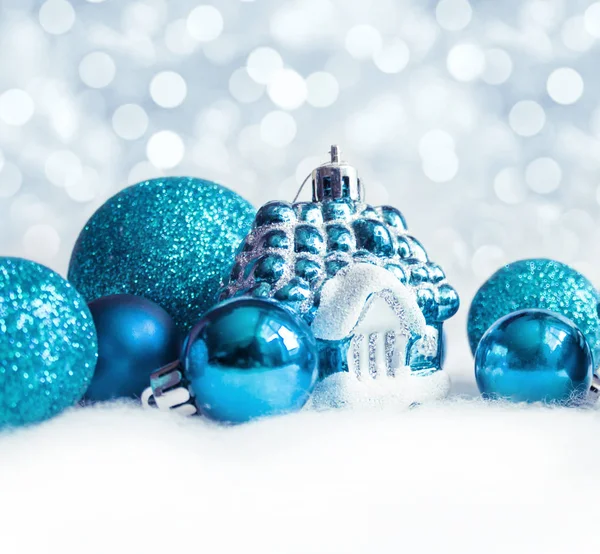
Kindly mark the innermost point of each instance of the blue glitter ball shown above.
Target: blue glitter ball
(171, 240)
(534, 356)
(250, 358)
(537, 284)
(135, 337)
(48, 344)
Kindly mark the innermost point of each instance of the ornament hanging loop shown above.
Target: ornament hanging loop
(334, 180)
(301, 187)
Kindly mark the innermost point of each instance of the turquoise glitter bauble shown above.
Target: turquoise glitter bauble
(170, 240)
(537, 284)
(48, 344)
(246, 358)
(534, 356)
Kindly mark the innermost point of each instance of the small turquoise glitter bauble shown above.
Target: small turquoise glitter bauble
(47, 343)
(533, 356)
(537, 284)
(170, 240)
(250, 358)
(135, 337)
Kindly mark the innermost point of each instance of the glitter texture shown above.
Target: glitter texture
(48, 345)
(295, 249)
(542, 284)
(171, 240)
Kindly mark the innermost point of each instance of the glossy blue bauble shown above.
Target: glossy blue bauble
(534, 355)
(171, 240)
(48, 344)
(537, 284)
(249, 358)
(135, 337)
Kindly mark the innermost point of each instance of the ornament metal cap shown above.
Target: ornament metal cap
(169, 391)
(336, 179)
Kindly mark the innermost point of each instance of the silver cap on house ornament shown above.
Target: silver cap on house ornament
(336, 179)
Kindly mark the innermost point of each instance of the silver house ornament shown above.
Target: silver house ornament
(374, 301)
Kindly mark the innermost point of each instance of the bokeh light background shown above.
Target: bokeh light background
(480, 120)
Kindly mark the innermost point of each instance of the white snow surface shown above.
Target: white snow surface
(459, 475)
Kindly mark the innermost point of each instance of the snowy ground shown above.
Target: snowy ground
(458, 476)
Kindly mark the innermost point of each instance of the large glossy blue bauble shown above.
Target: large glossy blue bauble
(537, 284)
(249, 358)
(47, 343)
(534, 355)
(171, 240)
(135, 337)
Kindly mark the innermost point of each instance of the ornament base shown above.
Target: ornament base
(169, 391)
(408, 387)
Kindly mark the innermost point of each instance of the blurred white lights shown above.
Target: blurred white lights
(27, 208)
(565, 85)
(142, 171)
(392, 57)
(141, 17)
(487, 259)
(543, 175)
(344, 68)
(442, 167)
(439, 160)
(527, 118)
(378, 125)
(84, 189)
(56, 16)
(10, 180)
(221, 51)
(575, 36)
(165, 149)
(453, 15)
(97, 69)
(498, 66)
(16, 107)
(278, 129)
(591, 19)
(509, 186)
(205, 23)
(465, 62)
(287, 89)
(62, 168)
(243, 88)
(177, 38)
(168, 89)
(130, 121)
(456, 102)
(263, 63)
(363, 41)
(322, 89)
(300, 23)
(41, 242)
(433, 141)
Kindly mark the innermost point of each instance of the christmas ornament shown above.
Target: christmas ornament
(246, 358)
(171, 240)
(532, 356)
(135, 338)
(373, 299)
(538, 284)
(47, 343)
